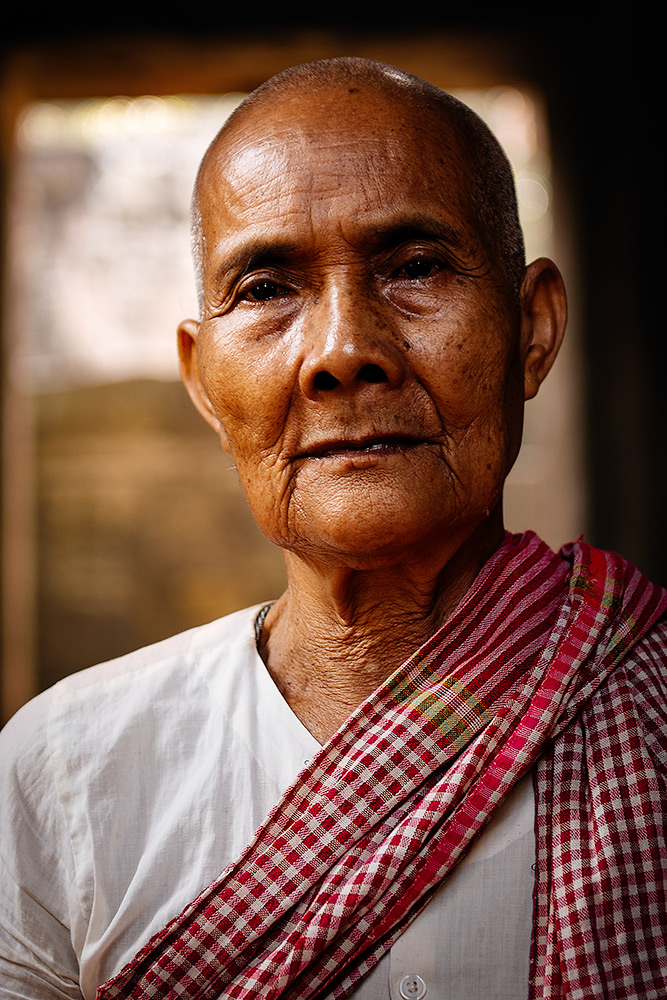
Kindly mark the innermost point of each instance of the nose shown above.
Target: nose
(350, 344)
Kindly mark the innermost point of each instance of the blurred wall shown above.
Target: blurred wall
(596, 84)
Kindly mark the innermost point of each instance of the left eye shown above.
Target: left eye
(263, 291)
(420, 267)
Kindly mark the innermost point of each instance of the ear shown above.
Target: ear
(543, 320)
(188, 332)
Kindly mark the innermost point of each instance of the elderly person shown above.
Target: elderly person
(435, 765)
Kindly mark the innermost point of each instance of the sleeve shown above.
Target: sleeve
(37, 883)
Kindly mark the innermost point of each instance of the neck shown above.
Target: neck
(337, 633)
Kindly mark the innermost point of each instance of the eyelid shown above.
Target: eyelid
(440, 253)
(404, 255)
(266, 276)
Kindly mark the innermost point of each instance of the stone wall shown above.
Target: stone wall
(143, 527)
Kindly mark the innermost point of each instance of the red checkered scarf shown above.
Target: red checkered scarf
(363, 838)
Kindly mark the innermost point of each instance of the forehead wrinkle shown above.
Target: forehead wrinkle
(254, 182)
(250, 167)
(249, 162)
(378, 234)
(364, 144)
(252, 187)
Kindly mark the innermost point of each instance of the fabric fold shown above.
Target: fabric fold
(360, 842)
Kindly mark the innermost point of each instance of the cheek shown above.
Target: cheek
(248, 390)
(251, 404)
(471, 378)
(472, 371)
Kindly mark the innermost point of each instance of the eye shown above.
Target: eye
(263, 291)
(420, 267)
(417, 278)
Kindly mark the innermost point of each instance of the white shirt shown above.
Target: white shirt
(127, 788)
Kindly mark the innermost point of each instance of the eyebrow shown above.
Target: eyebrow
(408, 229)
(257, 253)
(264, 251)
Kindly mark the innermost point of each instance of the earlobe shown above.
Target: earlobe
(543, 321)
(188, 332)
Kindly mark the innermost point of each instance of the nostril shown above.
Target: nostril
(372, 373)
(325, 380)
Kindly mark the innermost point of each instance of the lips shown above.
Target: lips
(364, 445)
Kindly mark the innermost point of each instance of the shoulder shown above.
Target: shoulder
(644, 667)
(164, 662)
(223, 639)
(100, 778)
(653, 646)
(104, 704)
(643, 674)
(630, 708)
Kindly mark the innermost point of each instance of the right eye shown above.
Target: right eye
(263, 291)
(420, 267)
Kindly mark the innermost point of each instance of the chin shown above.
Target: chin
(362, 541)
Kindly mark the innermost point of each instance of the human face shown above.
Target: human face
(358, 350)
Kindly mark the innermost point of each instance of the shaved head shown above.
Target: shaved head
(485, 170)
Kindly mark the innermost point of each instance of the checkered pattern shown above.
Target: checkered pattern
(364, 837)
(601, 889)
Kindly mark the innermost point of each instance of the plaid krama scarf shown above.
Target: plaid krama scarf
(531, 668)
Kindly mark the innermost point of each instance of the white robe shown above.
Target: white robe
(127, 788)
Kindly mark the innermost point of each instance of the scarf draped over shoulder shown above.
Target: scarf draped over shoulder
(529, 672)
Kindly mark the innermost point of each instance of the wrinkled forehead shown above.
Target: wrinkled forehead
(335, 139)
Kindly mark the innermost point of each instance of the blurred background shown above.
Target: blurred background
(122, 520)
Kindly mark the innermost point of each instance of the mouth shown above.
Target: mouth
(375, 445)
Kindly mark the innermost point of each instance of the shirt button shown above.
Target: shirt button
(412, 987)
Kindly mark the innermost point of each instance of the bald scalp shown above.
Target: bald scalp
(490, 180)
